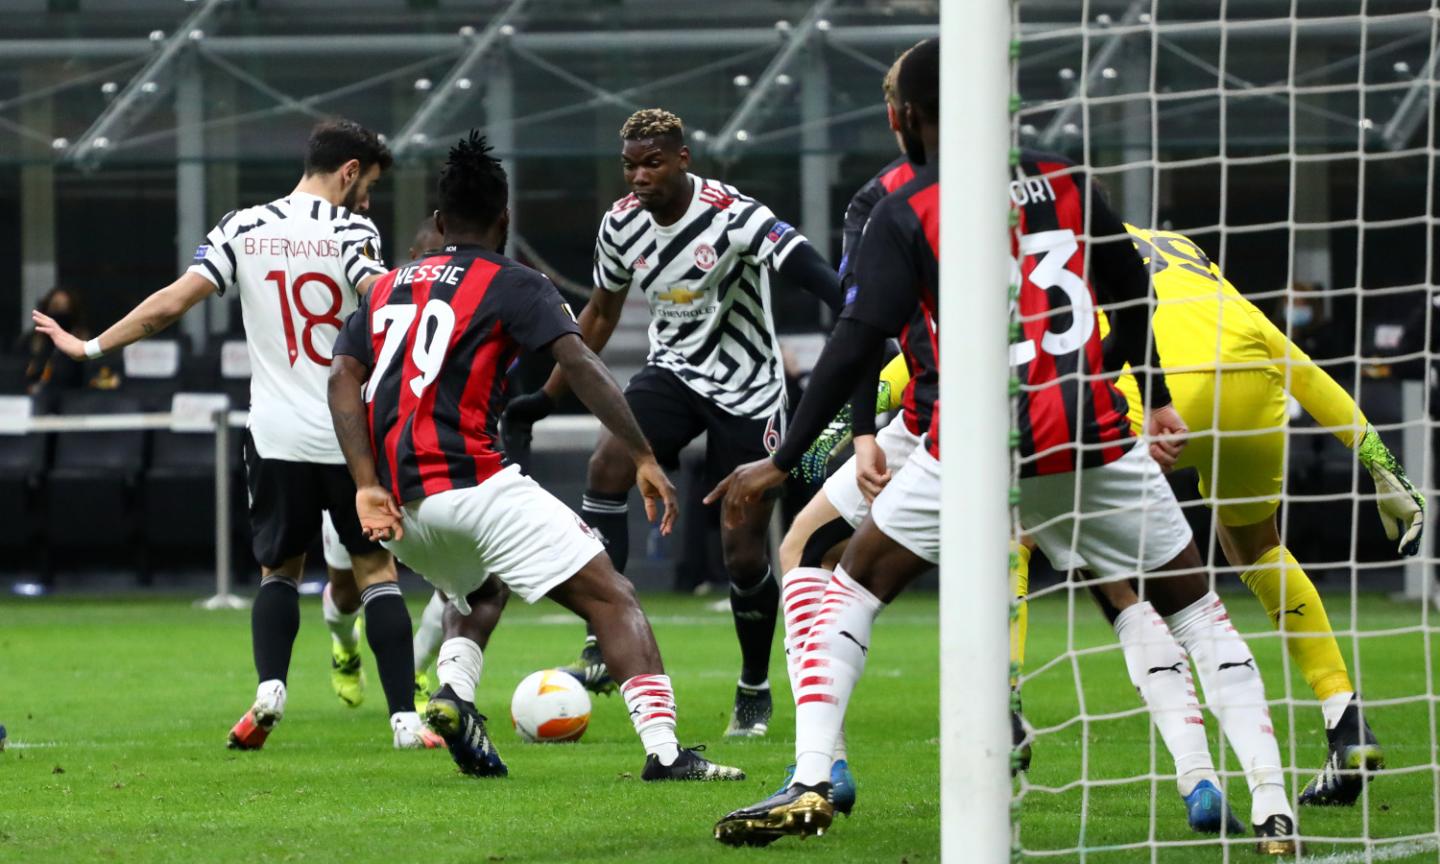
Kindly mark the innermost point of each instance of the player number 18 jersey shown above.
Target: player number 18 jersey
(296, 261)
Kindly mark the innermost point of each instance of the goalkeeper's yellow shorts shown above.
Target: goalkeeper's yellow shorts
(1245, 466)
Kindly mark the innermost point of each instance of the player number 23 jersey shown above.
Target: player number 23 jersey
(296, 261)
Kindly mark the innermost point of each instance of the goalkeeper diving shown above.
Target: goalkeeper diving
(1229, 369)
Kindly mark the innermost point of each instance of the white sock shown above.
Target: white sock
(839, 751)
(800, 592)
(1333, 707)
(830, 667)
(1236, 696)
(1160, 671)
(342, 625)
(271, 695)
(430, 633)
(459, 666)
(651, 703)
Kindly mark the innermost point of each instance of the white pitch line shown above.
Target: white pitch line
(1382, 853)
(29, 745)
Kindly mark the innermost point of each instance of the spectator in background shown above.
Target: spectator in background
(47, 370)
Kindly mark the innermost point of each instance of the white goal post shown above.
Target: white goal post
(974, 278)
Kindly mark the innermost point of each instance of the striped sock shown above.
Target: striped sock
(651, 702)
(830, 667)
(800, 592)
(388, 632)
(609, 516)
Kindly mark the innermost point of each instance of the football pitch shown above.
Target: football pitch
(117, 711)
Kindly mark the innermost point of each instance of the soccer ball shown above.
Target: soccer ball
(550, 705)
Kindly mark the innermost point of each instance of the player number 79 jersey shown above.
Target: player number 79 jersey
(296, 262)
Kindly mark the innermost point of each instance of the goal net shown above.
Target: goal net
(1287, 149)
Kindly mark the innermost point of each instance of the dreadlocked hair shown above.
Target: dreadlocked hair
(653, 123)
(473, 188)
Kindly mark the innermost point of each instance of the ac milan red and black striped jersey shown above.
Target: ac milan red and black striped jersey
(897, 273)
(1070, 414)
(437, 336)
(924, 387)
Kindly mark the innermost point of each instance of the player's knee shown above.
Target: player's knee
(609, 473)
(747, 566)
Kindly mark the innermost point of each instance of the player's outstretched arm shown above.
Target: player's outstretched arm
(597, 389)
(379, 514)
(1401, 506)
(154, 314)
(807, 268)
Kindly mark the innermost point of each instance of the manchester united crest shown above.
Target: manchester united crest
(705, 256)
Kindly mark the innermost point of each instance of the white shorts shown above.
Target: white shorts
(897, 442)
(336, 555)
(508, 526)
(908, 508)
(1130, 522)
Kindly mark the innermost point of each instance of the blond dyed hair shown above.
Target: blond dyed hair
(652, 123)
(890, 83)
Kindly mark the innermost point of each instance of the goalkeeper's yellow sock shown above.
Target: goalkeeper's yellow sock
(1308, 638)
(1020, 621)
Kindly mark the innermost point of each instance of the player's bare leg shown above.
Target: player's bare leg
(809, 553)
(1295, 607)
(387, 629)
(274, 623)
(451, 712)
(606, 600)
(340, 603)
(605, 508)
(872, 572)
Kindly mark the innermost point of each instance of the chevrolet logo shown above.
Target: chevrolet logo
(681, 296)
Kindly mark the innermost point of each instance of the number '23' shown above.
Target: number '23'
(1055, 249)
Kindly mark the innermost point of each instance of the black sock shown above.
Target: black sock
(609, 516)
(755, 609)
(387, 629)
(274, 621)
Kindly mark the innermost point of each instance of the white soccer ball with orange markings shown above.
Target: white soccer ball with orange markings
(550, 705)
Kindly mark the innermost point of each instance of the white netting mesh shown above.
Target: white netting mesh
(1295, 144)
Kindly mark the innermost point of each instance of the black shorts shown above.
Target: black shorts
(286, 499)
(672, 415)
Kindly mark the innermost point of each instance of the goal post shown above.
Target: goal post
(974, 279)
(1294, 148)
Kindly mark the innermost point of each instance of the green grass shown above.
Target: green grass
(1401, 804)
(119, 710)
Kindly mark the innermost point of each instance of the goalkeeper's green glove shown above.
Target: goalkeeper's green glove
(1401, 506)
(815, 464)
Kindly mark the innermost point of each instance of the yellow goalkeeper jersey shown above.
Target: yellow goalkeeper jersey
(1203, 325)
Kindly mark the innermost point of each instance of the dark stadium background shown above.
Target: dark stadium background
(117, 236)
